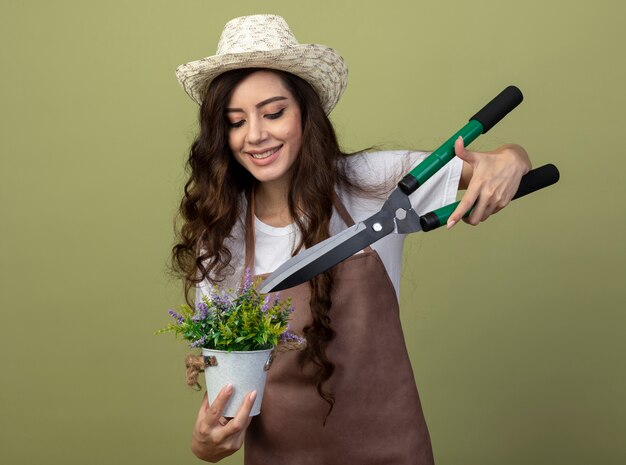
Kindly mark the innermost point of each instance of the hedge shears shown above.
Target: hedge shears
(397, 215)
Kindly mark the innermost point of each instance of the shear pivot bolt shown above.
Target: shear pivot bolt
(377, 227)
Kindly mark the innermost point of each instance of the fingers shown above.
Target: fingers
(459, 147)
(494, 180)
(214, 411)
(468, 199)
(242, 419)
(232, 434)
(459, 150)
(215, 437)
(470, 195)
(479, 213)
(485, 203)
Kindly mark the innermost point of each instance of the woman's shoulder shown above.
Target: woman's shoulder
(382, 166)
(374, 173)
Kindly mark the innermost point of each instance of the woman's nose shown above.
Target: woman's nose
(256, 132)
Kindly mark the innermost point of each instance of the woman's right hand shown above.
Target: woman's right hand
(214, 436)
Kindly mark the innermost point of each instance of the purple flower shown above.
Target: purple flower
(221, 301)
(247, 283)
(288, 336)
(266, 304)
(199, 343)
(201, 312)
(176, 316)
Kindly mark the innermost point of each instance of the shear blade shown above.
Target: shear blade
(328, 253)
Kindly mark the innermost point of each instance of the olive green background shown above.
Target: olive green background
(516, 328)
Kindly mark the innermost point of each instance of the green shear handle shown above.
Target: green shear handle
(478, 124)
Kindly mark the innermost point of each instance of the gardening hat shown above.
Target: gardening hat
(265, 41)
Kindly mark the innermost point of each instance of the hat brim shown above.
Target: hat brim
(320, 66)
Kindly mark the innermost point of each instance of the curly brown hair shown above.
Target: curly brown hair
(213, 202)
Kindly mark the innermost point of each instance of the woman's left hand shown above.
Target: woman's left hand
(491, 178)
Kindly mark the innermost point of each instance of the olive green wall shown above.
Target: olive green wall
(516, 328)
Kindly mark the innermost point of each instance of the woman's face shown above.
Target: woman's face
(265, 129)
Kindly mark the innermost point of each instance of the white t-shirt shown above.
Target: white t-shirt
(275, 245)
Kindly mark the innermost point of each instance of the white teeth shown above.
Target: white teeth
(264, 154)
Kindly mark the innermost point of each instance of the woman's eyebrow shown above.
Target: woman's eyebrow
(258, 105)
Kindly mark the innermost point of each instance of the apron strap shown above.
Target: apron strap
(249, 235)
(345, 216)
(341, 209)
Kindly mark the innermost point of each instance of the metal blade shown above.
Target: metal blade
(328, 253)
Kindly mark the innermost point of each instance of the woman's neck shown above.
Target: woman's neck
(271, 204)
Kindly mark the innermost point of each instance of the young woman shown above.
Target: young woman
(269, 179)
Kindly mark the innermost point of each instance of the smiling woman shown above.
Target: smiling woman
(265, 133)
(267, 179)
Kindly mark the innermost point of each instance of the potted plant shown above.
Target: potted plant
(238, 334)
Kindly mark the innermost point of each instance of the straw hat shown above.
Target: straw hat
(265, 41)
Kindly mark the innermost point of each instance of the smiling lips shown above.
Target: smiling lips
(264, 155)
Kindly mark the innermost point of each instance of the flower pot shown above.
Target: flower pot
(246, 371)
